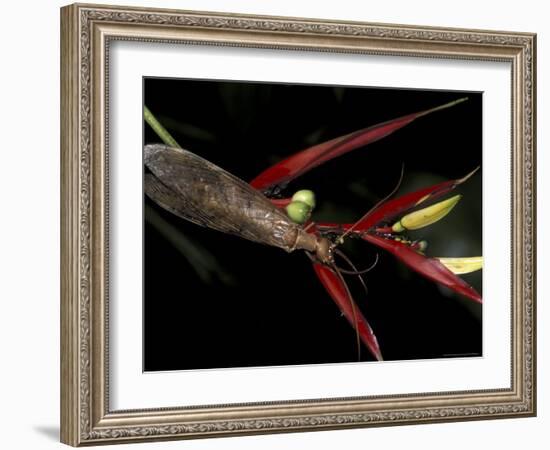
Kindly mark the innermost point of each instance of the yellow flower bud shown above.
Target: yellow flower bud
(397, 227)
(461, 266)
(426, 216)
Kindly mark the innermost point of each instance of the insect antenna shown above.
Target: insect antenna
(359, 274)
(354, 270)
(386, 198)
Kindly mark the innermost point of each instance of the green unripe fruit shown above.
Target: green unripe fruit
(422, 246)
(298, 212)
(306, 196)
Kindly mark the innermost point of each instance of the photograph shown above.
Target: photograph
(296, 224)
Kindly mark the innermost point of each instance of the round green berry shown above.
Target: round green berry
(306, 196)
(422, 246)
(298, 212)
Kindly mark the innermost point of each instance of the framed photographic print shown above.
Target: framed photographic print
(275, 224)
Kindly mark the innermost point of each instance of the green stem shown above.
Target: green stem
(158, 128)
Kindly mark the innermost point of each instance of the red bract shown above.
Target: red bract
(430, 268)
(305, 160)
(340, 294)
(393, 208)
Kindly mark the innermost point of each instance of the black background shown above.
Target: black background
(239, 303)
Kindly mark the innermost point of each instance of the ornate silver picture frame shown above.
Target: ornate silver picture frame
(88, 414)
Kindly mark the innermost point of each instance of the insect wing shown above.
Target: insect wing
(203, 193)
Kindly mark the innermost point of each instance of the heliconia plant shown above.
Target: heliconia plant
(384, 226)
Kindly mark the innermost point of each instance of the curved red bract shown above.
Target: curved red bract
(340, 294)
(305, 160)
(428, 267)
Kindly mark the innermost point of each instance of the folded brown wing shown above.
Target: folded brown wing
(203, 193)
